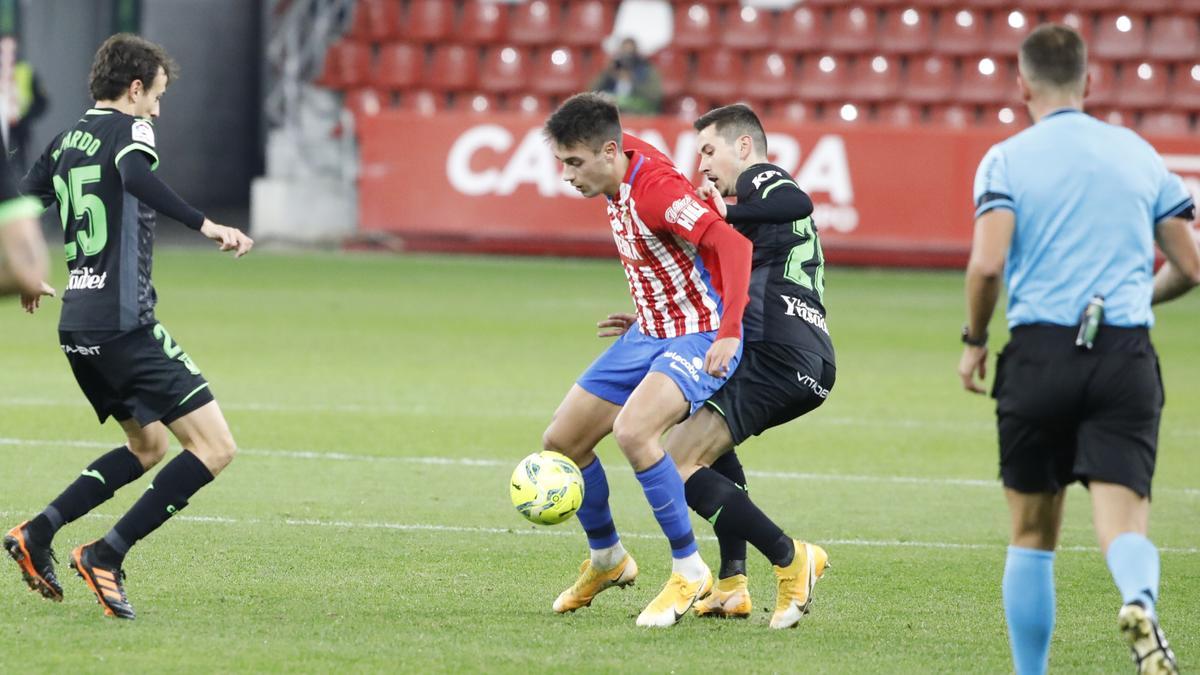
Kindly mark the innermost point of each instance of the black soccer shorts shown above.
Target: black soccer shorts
(140, 374)
(1066, 414)
(775, 383)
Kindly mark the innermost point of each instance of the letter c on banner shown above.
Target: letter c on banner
(458, 161)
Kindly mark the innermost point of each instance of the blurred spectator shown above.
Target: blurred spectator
(22, 100)
(632, 80)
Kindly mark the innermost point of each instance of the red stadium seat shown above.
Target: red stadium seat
(557, 72)
(930, 80)
(505, 70)
(770, 76)
(674, 71)
(1174, 38)
(1165, 123)
(1188, 6)
(375, 20)
(1102, 86)
(1095, 5)
(454, 68)
(529, 104)
(1143, 85)
(1148, 6)
(801, 30)
(987, 81)
(685, 108)
(535, 23)
(747, 28)
(428, 20)
(424, 102)
(823, 78)
(695, 27)
(1011, 117)
(937, 4)
(347, 65)
(907, 31)
(718, 76)
(874, 79)
(1082, 23)
(954, 116)
(846, 113)
(399, 66)
(960, 32)
(588, 23)
(1008, 31)
(1121, 118)
(1185, 90)
(478, 103)
(789, 111)
(483, 22)
(899, 114)
(1119, 36)
(367, 102)
(853, 30)
(990, 4)
(1044, 5)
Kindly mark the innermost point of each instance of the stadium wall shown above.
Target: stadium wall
(489, 183)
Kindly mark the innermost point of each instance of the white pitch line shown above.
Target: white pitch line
(570, 532)
(478, 462)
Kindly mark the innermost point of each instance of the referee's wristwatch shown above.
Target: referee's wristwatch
(980, 341)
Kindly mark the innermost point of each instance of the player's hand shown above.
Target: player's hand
(719, 356)
(708, 192)
(229, 238)
(31, 301)
(615, 325)
(974, 360)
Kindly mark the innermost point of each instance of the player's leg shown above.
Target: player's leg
(733, 549)
(1028, 584)
(581, 421)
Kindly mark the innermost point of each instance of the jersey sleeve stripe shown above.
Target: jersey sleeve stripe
(138, 146)
(1176, 210)
(776, 184)
(20, 207)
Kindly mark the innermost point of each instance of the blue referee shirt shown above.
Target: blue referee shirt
(1086, 196)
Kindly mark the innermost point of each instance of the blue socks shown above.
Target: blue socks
(664, 491)
(1029, 606)
(594, 513)
(1134, 564)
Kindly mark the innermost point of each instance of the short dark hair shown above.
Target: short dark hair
(1054, 54)
(124, 58)
(589, 118)
(733, 121)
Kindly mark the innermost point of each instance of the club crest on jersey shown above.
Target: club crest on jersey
(143, 132)
(684, 212)
(764, 177)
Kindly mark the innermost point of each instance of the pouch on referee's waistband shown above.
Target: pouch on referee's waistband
(1090, 322)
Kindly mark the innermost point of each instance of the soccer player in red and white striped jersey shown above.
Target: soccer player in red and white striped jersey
(688, 274)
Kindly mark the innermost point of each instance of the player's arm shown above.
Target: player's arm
(780, 201)
(23, 260)
(140, 181)
(1174, 212)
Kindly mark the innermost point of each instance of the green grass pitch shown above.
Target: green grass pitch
(380, 404)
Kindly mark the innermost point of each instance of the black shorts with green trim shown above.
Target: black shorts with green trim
(141, 374)
(774, 384)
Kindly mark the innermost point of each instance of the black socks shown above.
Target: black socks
(174, 484)
(734, 516)
(95, 485)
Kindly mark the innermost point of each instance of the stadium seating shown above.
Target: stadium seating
(802, 30)
(901, 62)
(428, 20)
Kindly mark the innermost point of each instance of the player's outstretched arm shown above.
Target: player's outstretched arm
(1181, 272)
(228, 238)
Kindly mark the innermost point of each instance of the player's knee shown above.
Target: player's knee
(216, 452)
(631, 437)
(551, 440)
(149, 448)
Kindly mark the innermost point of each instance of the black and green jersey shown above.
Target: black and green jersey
(787, 278)
(108, 233)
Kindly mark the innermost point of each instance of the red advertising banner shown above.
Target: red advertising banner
(473, 182)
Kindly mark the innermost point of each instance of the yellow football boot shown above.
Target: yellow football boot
(591, 581)
(674, 600)
(730, 599)
(796, 583)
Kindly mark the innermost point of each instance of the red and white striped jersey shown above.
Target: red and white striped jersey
(657, 222)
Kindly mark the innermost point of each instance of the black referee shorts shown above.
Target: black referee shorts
(1066, 414)
(774, 383)
(141, 374)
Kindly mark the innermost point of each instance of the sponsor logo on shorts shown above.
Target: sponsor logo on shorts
(691, 368)
(86, 279)
(81, 350)
(797, 307)
(808, 381)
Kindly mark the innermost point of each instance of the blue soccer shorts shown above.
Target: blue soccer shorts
(623, 366)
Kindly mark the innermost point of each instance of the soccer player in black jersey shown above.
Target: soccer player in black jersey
(23, 260)
(787, 365)
(100, 174)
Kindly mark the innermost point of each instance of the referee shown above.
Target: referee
(1069, 211)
